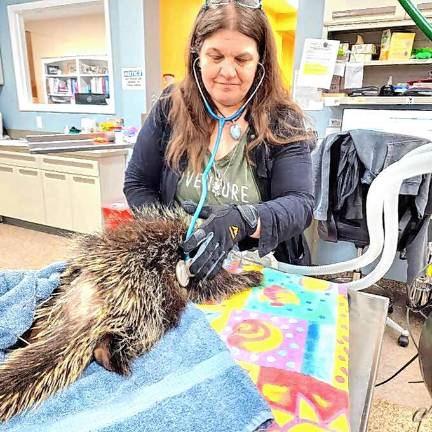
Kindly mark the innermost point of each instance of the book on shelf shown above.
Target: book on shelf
(62, 86)
(99, 85)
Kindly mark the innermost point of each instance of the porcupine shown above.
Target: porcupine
(118, 296)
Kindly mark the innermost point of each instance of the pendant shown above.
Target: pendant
(235, 131)
(217, 187)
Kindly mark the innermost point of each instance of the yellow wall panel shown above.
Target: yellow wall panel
(177, 17)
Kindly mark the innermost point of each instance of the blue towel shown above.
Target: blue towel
(20, 292)
(188, 382)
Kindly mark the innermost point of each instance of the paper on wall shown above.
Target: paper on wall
(339, 69)
(318, 63)
(308, 98)
(133, 78)
(353, 75)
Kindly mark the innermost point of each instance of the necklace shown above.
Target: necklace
(218, 178)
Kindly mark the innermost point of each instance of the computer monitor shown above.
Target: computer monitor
(91, 99)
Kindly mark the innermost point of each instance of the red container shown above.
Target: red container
(116, 213)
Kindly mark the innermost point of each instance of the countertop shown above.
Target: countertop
(20, 146)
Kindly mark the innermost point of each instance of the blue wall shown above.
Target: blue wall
(310, 25)
(127, 40)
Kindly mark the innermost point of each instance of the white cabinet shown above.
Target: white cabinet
(58, 205)
(425, 7)
(60, 191)
(64, 77)
(86, 203)
(29, 195)
(354, 11)
(8, 202)
(21, 192)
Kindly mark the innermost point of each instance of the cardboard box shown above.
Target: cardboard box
(401, 46)
(385, 44)
(336, 84)
(360, 57)
(362, 53)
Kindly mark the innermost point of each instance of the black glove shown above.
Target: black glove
(225, 226)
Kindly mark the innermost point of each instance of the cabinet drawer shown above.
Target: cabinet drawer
(69, 165)
(19, 159)
(425, 7)
(349, 11)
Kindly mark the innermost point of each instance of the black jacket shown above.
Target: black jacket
(283, 175)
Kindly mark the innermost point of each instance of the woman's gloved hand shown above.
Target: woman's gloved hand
(225, 226)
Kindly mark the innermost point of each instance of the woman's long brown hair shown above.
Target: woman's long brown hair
(274, 115)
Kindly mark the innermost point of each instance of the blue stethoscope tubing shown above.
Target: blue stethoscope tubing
(221, 124)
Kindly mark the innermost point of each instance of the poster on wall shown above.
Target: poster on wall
(133, 78)
(318, 63)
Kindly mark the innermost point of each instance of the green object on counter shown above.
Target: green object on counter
(422, 23)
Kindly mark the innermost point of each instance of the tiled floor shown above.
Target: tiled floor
(22, 248)
(394, 402)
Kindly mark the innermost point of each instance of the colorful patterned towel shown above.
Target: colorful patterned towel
(292, 337)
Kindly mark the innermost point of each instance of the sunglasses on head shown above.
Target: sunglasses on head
(251, 4)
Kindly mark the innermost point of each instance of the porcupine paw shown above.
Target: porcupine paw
(247, 279)
(223, 285)
(109, 355)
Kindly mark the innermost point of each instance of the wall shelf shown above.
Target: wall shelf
(61, 75)
(377, 100)
(346, 19)
(77, 74)
(397, 62)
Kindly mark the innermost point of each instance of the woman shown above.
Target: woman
(261, 182)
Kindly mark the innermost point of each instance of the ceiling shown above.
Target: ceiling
(72, 10)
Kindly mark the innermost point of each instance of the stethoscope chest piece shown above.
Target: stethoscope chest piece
(182, 273)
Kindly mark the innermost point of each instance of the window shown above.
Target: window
(62, 56)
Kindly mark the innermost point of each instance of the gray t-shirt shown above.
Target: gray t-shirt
(230, 181)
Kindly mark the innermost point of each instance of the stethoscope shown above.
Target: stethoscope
(182, 269)
(222, 120)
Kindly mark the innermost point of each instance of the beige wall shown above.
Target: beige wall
(78, 35)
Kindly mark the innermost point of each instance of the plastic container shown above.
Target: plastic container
(116, 213)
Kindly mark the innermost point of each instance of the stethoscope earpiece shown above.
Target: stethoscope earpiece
(209, 109)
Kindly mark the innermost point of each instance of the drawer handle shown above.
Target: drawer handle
(6, 169)
(424, 6)
(18, 157)
(385, 10)
(55, 176)
(28, 172)
(84, 180)
(68, 163)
